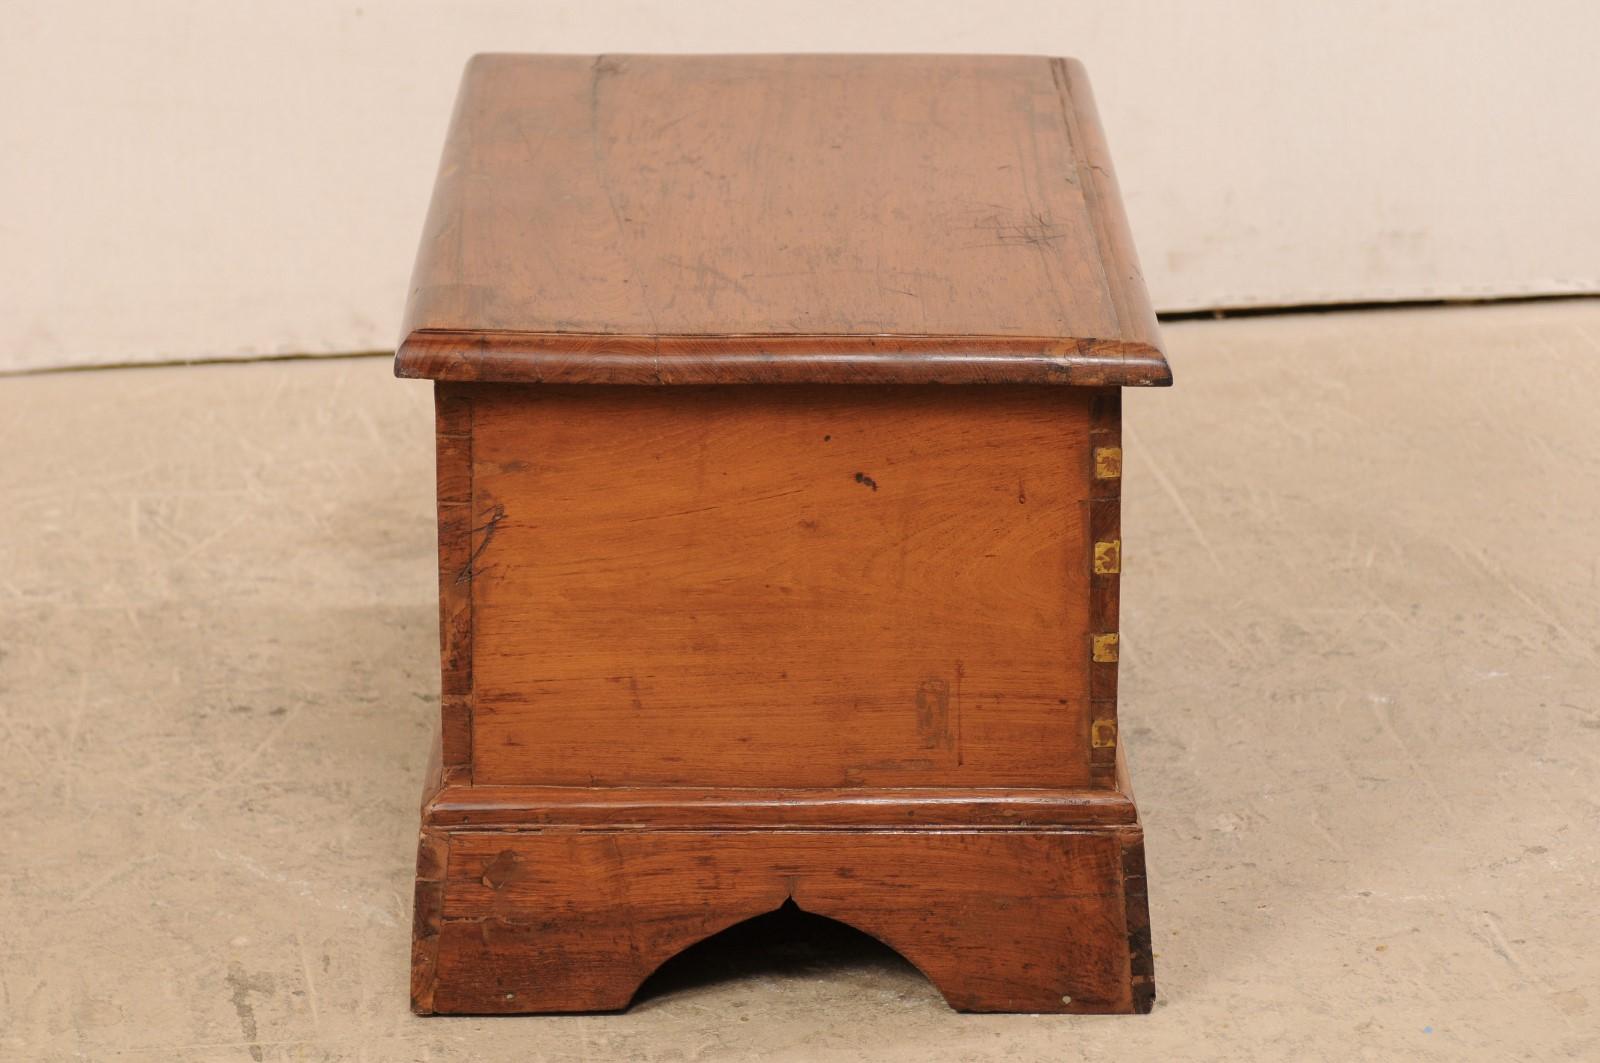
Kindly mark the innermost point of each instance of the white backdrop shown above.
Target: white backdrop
(218, 178)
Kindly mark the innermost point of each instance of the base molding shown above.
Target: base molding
(561, 920)
(668, 808)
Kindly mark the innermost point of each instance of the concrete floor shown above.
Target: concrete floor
(1362, 707)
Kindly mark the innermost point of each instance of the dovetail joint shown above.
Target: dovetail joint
(1103, 733)
(1108, 557)
(1104, 648)
(1107, 463)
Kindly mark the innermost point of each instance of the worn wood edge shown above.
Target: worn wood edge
(433, 774)
(1124, 782)
(1124, 278)
(453, 439)
(1136, 920)
(427, 913)
(468, 356)
(667, 808)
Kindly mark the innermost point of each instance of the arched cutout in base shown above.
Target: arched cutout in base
(788, 944)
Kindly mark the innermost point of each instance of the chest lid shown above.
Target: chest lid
(770, 219)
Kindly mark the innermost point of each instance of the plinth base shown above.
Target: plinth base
(564, 899)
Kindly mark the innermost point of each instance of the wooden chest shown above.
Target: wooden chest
(779, 459)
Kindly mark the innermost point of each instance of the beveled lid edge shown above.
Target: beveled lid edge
(609, 359)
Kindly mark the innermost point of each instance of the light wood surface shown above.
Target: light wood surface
(816, 586)
(705, 219)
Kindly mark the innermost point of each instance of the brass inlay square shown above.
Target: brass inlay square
(1104, 649)
(1108, 557)
(1103, 733)
(1107, 463)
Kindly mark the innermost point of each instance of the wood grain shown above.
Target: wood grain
(821, 586)
(1033, 921)
(719, 219)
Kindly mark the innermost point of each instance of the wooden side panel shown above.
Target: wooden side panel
(804, 586)
(998, 921)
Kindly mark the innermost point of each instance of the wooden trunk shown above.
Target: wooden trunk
(778, 471)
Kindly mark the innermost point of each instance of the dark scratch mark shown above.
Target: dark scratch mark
(488, 530)
(532, 147)
(858, 774)
(709, 509)
(705, 273)
(620, 870)
(933, 714)
(500, 870)
(1038, 230)
(863, 478)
